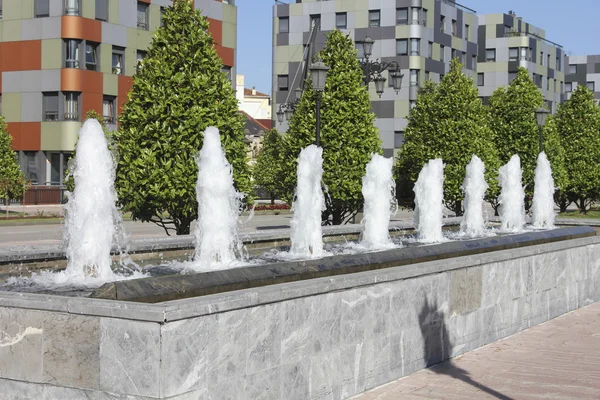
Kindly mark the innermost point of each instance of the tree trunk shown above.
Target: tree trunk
(272, 198)
(582, 208)
(6, 201)
(458, 211)
(183, 228)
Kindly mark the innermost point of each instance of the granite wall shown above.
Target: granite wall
(326, 338)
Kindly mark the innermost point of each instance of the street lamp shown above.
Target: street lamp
(541, 115)
(318, 74)
(372, 69)
(287, 109)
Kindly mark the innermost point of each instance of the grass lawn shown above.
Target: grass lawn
(592, 214)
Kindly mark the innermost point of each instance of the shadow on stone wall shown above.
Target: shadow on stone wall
(437, 347)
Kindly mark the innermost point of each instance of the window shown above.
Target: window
(474, 62)
(480, 80)
(41, 8)
(227, 71)
(0, 9)
(541, 58)
(442, 23)
(442, 53)
(108, 109)
(398, 138)
(430, 49)
(50, 106)
(442, 77)
(162, 16)
(139, 59)
(72, 53)
(401, 16)
(282, 82)
(102, 10)
(341, 20)
(401, 47)
(591, 86)
(315, 20)
(452, 54)
(31, 170)
(524, 53)
(426, 75)
(91, 56)
(71, 106)
(490, 55)
(424, 17)
(374, 18)
(414, 77)
(453, 27)
(360, 51)
(414, 47)
(572, 68)
(513, 54)
(415, 16)
(466, 32)
(511, 76)
(118, 66)
(71, 7)
(142, 15)
(284, 25)
(548, 61)
(413, 104)
(558, 65)
(568, 87)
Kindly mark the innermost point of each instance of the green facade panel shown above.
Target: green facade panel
(51, 54)
(11, 107)
(11, 31)
(110, 84)
(88, 9)
(59, 136)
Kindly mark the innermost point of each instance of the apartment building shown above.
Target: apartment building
(61, 58)
(582, 70)
(507, 42)
(420, 35)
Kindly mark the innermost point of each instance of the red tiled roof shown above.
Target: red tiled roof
(266, 123)
(248, 92)
(254, 123)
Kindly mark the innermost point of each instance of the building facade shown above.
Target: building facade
(506, 42)
(422, 36)
(61, 58)
(582, 70)
(254, 103)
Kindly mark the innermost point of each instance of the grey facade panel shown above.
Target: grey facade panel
(403, 61)
(534, 51)
(508, 20)
(472, 48)
(388, 153)
(499, 30)
(283, 39)
(283, 10)
(513, 66)
(551, 73)
(384, 32)
(383, 108)
(459, 23)
(435, 66)
(597, 68)
(481, 43)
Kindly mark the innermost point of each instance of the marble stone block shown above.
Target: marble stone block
(72, 350)
(465, 290)
(294, 380)
(264, 337)
(129, 357)
(352, 369)
(263, 385)
(324, 376)
(357, 319)
(21, 343)
(184, 358)
(296, 330)
(227, 346)
(325, 323)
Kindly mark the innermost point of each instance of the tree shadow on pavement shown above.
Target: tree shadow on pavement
(437, 348)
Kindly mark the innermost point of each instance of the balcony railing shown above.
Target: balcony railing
(532, 35)
(51, 116)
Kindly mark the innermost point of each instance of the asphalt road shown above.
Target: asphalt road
(52, 233)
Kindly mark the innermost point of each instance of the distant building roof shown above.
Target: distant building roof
(266, 122)
(252, 126)
(249, 92)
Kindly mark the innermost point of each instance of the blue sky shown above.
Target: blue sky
(572, 24)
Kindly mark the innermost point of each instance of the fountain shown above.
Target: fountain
(380, 202)
(305, 234)
(92, 223)
(429, 199)
(543, 195)
(512, 196)
(219, 206)
(474, 187)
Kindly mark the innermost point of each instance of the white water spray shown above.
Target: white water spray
(543, 195)
(474, 187)
(305, 234)
(92, 223)
(378, 187)
(219, 206)
(512, 196)
(429, 199)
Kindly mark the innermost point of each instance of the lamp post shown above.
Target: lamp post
(540, 115)
(372, 69)
(287, 109)
(318, 73)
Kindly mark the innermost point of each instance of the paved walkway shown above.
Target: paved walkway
(559, 359)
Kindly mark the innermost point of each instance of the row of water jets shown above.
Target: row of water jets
(94, 225)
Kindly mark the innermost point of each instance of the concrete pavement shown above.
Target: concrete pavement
(559, 359)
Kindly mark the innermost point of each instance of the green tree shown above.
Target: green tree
(178, 92)
(577, 124)
(555, 152)
(69, 181)
(513, 121)
(448, 122)
(267, 170)
(12, 180)
(348, 136)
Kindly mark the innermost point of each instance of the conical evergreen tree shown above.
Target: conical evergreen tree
(178, 91)
(577, 123)
(348, 135)
(12, 180)
(267, 171)
(448, 122)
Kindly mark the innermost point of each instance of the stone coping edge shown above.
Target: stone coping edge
(175, 310)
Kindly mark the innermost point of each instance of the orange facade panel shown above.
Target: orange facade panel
(125, 83)
(90, 101)
(25, 55)
(26, 135)
(226, 54)
(216, 30)
(81, 28)
(79, 80)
